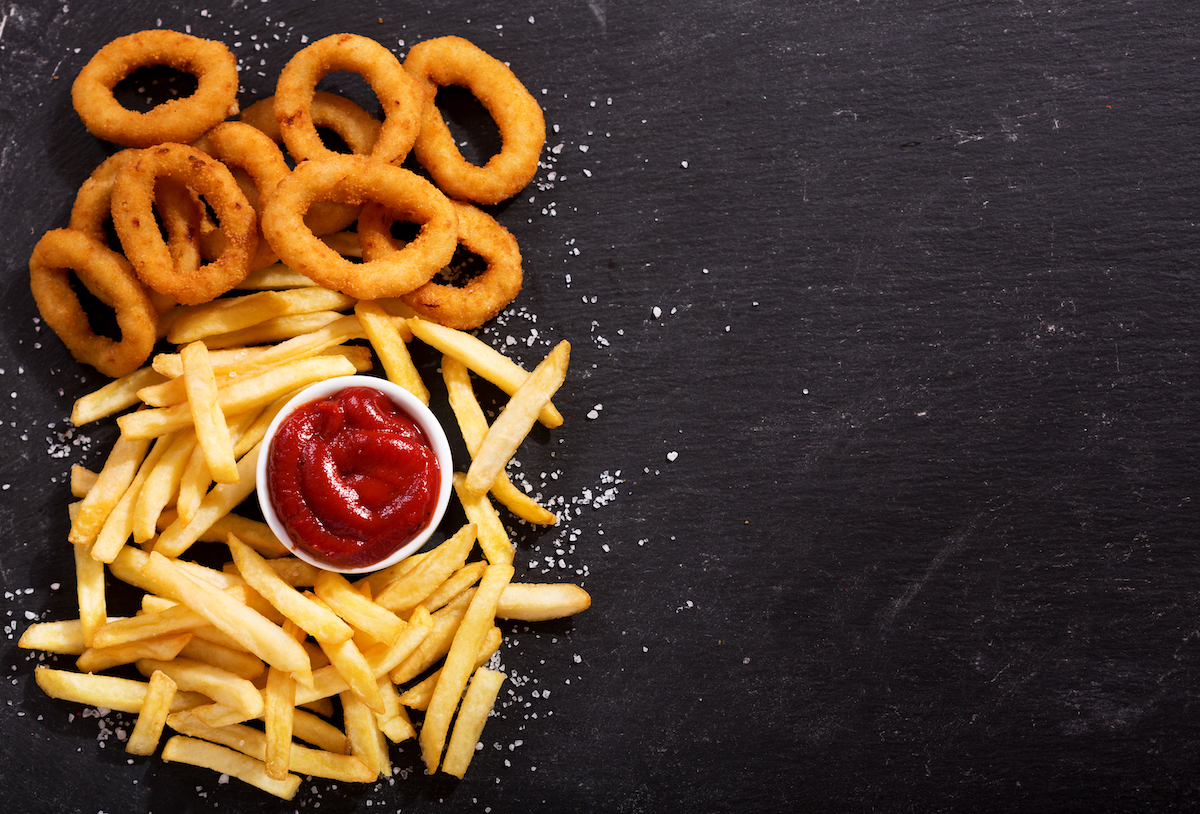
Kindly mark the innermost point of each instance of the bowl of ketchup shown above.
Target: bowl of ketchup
(354, 474)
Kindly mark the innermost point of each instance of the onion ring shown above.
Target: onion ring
(178, 120)
(355, 126)
(242, 147)
(133, 215)
(356, 180)
(456, 61)
(180, 211)
(483, 297)
(110, 278)
(399, 94)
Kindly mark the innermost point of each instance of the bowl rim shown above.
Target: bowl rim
(435, 434)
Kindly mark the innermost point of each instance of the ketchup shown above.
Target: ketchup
(352, 477)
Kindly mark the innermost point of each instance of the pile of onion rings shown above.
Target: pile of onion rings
(198, 202)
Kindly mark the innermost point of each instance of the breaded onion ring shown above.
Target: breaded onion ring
(133, 215)
(180, 211)
(455, 61)
(240, 146)
(355, 126)
(355, 179)
(468, 306)
(358, 128)
(399, 95)
(180, 120)
(110, 278)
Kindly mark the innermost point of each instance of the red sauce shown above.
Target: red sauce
(352, 477)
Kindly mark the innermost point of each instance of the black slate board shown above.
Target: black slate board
(886, 313)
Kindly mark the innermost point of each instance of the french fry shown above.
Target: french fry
(473, 713)
(153, 715)
(82, 480)
(228, 314)
(340, 330)
(219, 715)
(493, 538)
(118, 526)
(233, 363)
(338, 594)
(224, 361)
(250, 427)
(212, 432)
(480, 357)
(238, 397)
(348, 660)
(344, 243)
(276, 329)
(433, 647)
(319, 732)
(254, 533)
(153, 624)
(119, 394)
(108, 692)
(238, 662)
(253, 631)
(279, 707)
(193, 484)
(161, 484)
(418, 695)
(385, 657)
(367, 743)
(179, 536)
(313, 617)
(196, 477)
(89, 589)
(221, 759)
(459, 581)
(393, 721)
(118, 472)
(273, 277)
(408, 591)
(64, 636)
(381, 330)
(165, 648)
(212, 576)
(327, 681)
(252, 742)
(378, 580)
(292, 570)
(517, 419)
(474, 426)
(221, 686)
(539, 602)
(460, 662)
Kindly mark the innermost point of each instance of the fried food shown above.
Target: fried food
(354, 179)
(456, 61)
(355, 126)
(180, 120)
(109, 277)
(247, 640)
(133, 215)
(399, 95)
(249, 151)
(482, 297)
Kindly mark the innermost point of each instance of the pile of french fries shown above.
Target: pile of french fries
(268, 668)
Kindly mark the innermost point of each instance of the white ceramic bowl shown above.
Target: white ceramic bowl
(419, 413)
